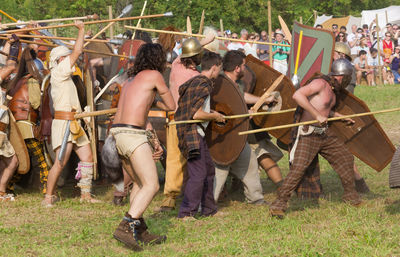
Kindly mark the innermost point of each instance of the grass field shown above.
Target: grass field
(330, 228)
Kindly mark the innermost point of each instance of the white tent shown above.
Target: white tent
(393, 16)
(346, 21)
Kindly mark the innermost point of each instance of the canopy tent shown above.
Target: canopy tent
(393, 16)
(348, 21)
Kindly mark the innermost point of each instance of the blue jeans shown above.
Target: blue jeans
(396, 77)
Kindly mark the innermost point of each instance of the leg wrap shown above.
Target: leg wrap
(86, 174)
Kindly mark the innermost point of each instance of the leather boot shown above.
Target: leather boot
(127, 232)
(361, 186)
(147, 238)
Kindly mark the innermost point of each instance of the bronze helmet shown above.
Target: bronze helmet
(191, 47)
(343, 48)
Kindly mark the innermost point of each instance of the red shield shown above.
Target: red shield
(316, 52)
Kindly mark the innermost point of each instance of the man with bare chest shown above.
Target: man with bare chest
(317, 101)
(131, 132)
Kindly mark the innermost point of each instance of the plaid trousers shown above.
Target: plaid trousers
(36, 155)
(334, 151)
(310, 185)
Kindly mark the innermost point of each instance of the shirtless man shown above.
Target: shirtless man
(130, 130)
(317, 99)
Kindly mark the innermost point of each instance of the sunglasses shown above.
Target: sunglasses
(341, 35)
(252, 38)
(234, 37)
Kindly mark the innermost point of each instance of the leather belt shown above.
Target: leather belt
(171, 116)
(121, 125)
(157, 113)
(3, 127)
(62, 115)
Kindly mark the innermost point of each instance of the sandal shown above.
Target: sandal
(49, 200)
(87, 198)
(4, 197)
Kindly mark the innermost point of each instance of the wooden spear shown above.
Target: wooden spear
(124, 12)
(94, 17)
(167, 14)
(7, 15)
(84, 50)
(202, 36)
(237, 116)
(315, 121)
(140, 20)
(54, 37)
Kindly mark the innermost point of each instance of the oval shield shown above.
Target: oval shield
(224, 143)
(265, 78)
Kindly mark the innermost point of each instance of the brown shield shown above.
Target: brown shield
(99, 47)
(129, 48)
(17, 141)
(265, 77)
(366, 138)
(223, 141)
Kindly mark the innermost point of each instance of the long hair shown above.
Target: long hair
(149, 57)
(25, 66)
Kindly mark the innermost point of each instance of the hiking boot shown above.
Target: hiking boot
(275, 213)
(126, 233)
(118, 201)
(361, 186)
(260, 202)
(164, 209)
(144, 236)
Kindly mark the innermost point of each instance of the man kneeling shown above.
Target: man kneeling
(130, 130)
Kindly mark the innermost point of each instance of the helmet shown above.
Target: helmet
(191, 47)
(341, 67)
(343, 48)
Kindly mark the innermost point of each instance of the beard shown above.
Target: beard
(240, 75)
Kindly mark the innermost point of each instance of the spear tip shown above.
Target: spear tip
(168, 14)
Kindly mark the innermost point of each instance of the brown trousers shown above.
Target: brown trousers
(175, 171)
(334, 151)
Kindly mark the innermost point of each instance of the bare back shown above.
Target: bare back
(316, 98)
(137, 96)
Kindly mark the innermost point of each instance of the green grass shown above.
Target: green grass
(330, 228)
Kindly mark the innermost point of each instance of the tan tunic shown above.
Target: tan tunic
(25, 126)
(6, 148)
(65, 98)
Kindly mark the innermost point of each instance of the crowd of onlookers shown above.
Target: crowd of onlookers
(362, 41)
(364, 45)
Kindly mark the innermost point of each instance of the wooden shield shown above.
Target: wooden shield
(100, 48)
(316, 52)
(223, 141)
(129, 48)
(265, 76)
(17, 141)
(365, 139)
(92, 128)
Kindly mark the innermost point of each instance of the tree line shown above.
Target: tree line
(236, 14)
